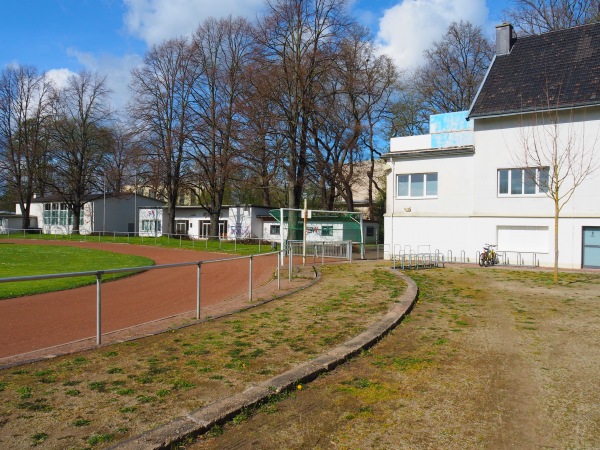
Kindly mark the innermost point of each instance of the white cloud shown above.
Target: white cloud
(59, 77)
(117, 69)
(156, 20)
(410, 27)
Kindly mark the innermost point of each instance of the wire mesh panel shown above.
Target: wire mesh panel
(321, 226)
(318, 251)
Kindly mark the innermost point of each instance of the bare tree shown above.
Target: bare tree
(540, 16)
(296, 45)
(162, 90)
(557, 155)
(262, 137)
(381, 79)
(454, 68)
(121, 160)
(221, 51)
(408, 116)
(79, 139)
(24, 119)
(352, 102)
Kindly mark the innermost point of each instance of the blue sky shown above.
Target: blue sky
(111, 36)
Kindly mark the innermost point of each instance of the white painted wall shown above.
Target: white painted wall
(455, 186)
(468, 211)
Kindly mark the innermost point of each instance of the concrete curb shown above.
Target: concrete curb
(203, 419)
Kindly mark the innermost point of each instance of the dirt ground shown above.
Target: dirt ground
(489, 358)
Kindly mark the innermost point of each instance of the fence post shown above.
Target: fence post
(290, 261)
(235, 243)
(198, 291)
(250, 282)
(278, 273)
(98, 309)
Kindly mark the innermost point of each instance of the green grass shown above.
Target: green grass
(26, 260)
(142, 383)
(239, 247)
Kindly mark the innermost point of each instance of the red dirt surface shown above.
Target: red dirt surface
(40, 321)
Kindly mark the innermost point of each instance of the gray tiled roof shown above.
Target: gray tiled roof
(559, 69)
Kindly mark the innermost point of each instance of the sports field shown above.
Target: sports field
(45, 320)
(27, 260)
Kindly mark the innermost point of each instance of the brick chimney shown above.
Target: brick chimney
(505, 38)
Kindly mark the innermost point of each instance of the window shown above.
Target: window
(417, 185)
(274, 230)
(151, 226)
(59, 214)
(181, 226)
(370, 231)
(525, 181)
(327, 230)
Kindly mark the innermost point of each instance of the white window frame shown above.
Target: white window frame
(410, 176)
(275, 230)
(524, 174)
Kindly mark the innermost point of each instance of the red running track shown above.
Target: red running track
(40, 321)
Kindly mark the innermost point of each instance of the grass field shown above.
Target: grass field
(489, 358)
(96, 398)
(26, 260)
(238, 247)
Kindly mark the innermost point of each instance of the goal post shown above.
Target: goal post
(319, 226)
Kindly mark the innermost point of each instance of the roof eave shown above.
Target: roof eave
(518, 112)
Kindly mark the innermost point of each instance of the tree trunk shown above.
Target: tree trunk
(170, 216)
(556, 215)
(26, 219)
(76, 218)
(214, 226)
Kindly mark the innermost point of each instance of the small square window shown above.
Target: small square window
(275, 230)
(327, 230)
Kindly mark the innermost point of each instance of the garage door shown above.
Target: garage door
(523, 239)
(591, 247)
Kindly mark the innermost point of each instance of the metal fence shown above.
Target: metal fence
(99, 274)
(422, 256)
(340, 250)
(232, 243)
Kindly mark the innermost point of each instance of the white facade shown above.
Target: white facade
(469, 209)
(9, 222)
(110, 213)
(241, 222)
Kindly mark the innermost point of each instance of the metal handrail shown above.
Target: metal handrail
(98, 275)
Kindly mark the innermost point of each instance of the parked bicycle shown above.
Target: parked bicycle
(488, 257)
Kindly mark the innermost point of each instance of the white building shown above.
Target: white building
(101, 213)
(464, 184)
(237, 221)
(246, 222)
